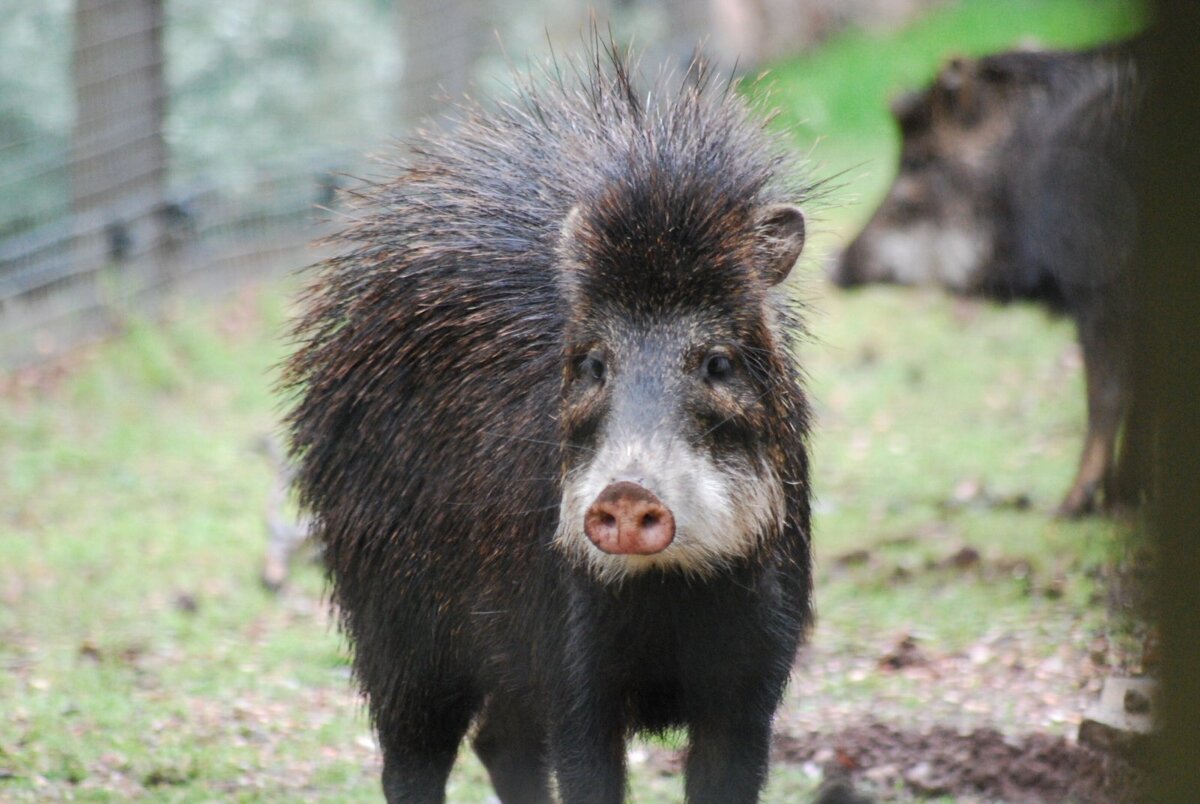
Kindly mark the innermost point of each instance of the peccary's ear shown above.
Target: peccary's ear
(954, 75)
(958, 90)
(782, 225)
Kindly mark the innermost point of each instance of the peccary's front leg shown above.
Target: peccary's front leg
(511, 742)
(587, 729)
(737, 657)
(729, 729)
(589, 760)
(420, 742)
(588, 743)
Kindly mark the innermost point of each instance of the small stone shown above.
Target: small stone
(1110, 724)
(966, 557)
(186, 603)
(89, 651)
(967, 490)
(853, 558)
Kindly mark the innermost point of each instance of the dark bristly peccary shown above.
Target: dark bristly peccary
(1014, 184)
(549, 428)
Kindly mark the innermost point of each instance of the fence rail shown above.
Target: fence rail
(80, 275)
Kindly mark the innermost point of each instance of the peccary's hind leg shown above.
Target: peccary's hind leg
(512, 746)
(1133, 475)
(1107, 400)
(420, 742)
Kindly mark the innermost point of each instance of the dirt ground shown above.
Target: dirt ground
(998, 721)
(980, 765)
(879, 752)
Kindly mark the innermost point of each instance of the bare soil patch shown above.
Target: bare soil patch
(980, 765)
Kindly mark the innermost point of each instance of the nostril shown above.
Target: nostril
(649, 521)
(607, 520)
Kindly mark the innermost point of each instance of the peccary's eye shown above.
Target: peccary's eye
(718, 366)
(590, 367)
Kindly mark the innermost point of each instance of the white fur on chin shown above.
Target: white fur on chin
(720, 514)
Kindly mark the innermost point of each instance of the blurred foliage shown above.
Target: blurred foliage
(35, 110)
(259, 84)
(255, 87)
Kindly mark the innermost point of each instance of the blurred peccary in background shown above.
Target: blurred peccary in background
(549, 427)
(1014, 184)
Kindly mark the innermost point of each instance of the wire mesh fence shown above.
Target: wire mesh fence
(150, 146)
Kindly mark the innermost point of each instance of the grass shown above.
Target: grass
(140, 656)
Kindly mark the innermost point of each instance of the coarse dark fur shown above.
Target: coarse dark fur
(1069, 196)
(429, 381)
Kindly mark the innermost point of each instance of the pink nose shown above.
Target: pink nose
(626, 519)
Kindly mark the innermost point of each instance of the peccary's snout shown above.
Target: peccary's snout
(627, 519)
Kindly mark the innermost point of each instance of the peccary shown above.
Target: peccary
(1014, 183)
(549, 426)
